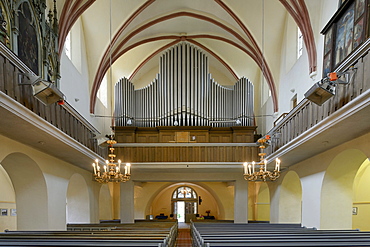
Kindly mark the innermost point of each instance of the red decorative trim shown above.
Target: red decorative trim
(102, 66)
(299, 12)
(189, 39)
(99, 75)
(70, 16)
(216, 56)
(262, 61)
(153, 55)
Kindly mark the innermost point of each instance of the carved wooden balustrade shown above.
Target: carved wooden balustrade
(63, 117)
(307, 114)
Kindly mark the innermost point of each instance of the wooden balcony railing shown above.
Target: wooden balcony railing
(307, 114)
(64, 117)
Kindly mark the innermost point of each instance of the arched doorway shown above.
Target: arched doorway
(337, 190)
(290, 203)
(105, 203)
(78, 207)
(8, 207)
(361, 198)
(184, 203)
(30, 191)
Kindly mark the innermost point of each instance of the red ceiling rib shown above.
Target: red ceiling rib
(103, 66)
(263, 63)
(69, 16)
(298, 10)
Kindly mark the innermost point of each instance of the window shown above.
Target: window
(294, 101)
(67, 46)
(103, 91)
(184, 193)
(299, 43)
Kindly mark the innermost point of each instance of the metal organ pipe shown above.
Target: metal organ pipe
(184, 91)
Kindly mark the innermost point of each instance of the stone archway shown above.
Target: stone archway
(78, 206)
(30, 191)
(105, 203)
(337, 190)
(361, 198)
(290, 203)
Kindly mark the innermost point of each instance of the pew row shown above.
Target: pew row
(207, 234)
(119, 235)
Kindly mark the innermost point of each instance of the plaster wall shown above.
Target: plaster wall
(153, 198)
(7, 202)
(361, 198)
(316, 212)
(76, 84)
(56, 175)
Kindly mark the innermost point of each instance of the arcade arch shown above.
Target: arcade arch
(290, 202)
(30, 191)
(78, 204)
(337, 190)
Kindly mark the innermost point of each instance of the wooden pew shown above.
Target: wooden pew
(121, 235)
(273, 235)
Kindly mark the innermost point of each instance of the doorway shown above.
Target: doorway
(184, 204)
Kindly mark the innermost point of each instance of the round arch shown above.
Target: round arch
(78, 206)
(361, 198)
(164, 193)
(290, 203)
(30, 191)
(105, 203)
(337, 190)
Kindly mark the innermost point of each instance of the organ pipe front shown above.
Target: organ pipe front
(184, 94)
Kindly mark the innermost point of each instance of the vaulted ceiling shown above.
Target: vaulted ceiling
(241, 37)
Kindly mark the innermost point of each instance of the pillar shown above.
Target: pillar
(127, 202)
(241, 201)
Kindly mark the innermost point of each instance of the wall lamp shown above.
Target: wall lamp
(323, 90)
(44, 91)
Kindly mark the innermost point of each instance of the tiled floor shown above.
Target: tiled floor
(183, 237)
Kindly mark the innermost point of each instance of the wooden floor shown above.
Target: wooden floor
(183, 237)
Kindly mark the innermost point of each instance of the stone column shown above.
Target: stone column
(127, 202)
(241, 201)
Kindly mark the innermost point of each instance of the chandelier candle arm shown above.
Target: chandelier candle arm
(262, 174)
(112, 170)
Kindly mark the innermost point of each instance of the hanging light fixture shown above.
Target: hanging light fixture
(111, 171)
(257, 171)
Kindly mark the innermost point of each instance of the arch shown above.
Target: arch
(30, 191)
(78, 206)
(361, 198)
(105, 203)
(104, 64)
(337, 190)
(262, 211)
(7, 200)
(211, 201)
(290, 203)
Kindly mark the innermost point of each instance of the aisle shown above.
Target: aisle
(183, 237)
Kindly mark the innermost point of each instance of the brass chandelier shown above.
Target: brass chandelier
(254, 173)
(111, 171)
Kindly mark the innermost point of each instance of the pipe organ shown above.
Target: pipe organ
(184, 94)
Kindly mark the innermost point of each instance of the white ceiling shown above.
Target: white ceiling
(104, 18)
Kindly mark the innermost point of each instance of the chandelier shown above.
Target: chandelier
(258, 170)
(111, 171)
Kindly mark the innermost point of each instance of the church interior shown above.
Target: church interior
(237, 111)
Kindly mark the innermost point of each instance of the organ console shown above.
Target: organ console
(184, 94)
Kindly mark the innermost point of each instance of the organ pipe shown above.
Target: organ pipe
(184, 91)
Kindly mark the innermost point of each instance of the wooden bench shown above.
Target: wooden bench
(273, 235)
(120, 235)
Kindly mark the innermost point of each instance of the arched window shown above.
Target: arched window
(184, 193)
